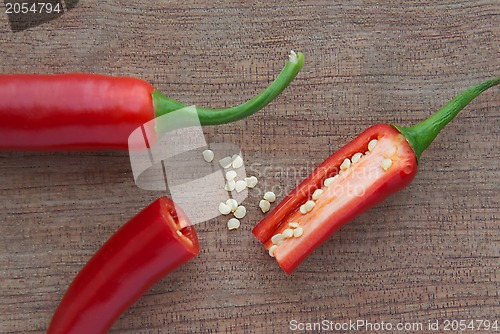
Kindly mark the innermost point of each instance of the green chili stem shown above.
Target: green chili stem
(164, 105)
(421, 135)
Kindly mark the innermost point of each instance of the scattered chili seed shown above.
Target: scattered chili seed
(230, 185)
(237, 161)
(240, 185)
(303, 209)
(264, 205)
(251, 181)
(231, 175)
(225, 162)
(232, 203)
(270, 196)
(224, 208)
(294, 224)
(208, 155)
(233, 224)
(179, 233)
(240, 212)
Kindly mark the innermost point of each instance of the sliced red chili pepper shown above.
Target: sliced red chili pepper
(380, 161)
(91, 112)
(155, 242)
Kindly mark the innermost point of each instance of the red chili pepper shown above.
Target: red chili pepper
(379, 162)
(152, 244)
(90, 111)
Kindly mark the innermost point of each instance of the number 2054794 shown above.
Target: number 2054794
(471, 325)
(33, 8)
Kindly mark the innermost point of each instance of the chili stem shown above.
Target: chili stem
(421, 135)
(164, 105)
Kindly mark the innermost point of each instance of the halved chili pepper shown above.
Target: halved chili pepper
(92, 112)
(379, 162)
(155, 242)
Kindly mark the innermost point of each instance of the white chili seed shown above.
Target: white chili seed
(294, 224)
(264, 205)
(240, 185)
(277, 239)
(345, 164)
(232, 203)
(272, 249)
(251, 181)
(208, 155)
(372, 144)
(270, 196)
(356, 157)
(386, 164)
(237, 161)
(316, 194)
(179, 233)
(288, 233)
(298, 232)
(240, 212)
(231, 175)
(309, 205)
(233, 224)
(328, 182)
(225, 162)
(230, 185)
(303, 209)
(224, 208)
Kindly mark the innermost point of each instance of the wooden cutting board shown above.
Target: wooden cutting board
(430, 253)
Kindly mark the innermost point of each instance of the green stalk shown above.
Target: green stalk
(164, 105)
(421, 135)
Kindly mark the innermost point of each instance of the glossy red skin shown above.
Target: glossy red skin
(140, 253)
(393, 180)
(71, 112)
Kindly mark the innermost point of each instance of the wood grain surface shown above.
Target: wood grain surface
(431, 252)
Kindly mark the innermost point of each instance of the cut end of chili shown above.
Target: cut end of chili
(376, 164)
(179, 223)
(152, 244)
(379, 162)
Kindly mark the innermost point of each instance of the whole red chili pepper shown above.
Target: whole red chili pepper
(379, 162)
(89, 111)
(152, 244)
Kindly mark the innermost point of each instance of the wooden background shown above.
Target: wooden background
(430, 252)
